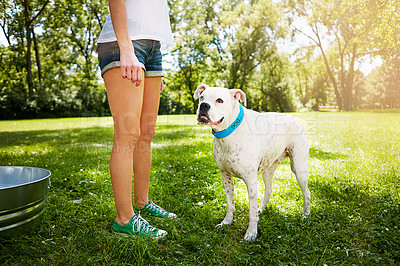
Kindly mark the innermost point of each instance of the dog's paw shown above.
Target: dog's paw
(305, 216)
(250, 236)
(219, 226)
(227, 220)
(251, 233)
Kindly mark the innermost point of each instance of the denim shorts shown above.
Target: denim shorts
(147, 52)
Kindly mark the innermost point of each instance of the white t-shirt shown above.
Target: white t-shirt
(147, 19)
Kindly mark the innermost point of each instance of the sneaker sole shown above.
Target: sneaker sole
(161, 234)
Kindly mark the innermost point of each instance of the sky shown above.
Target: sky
(3, 39)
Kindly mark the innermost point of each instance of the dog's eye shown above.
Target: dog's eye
(219, 100)
(201, 98)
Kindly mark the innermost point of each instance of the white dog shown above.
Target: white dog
(248, 143)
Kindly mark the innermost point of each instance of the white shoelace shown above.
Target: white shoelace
(157, 208)
(139, 222)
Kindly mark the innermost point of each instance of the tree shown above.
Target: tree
(249, 29)
(312, 82)
(382, 20)
(272, 80)
(31, 16)
(195, 48)
(51, 65)
(358, 29)
(382, 86)
(6, 19)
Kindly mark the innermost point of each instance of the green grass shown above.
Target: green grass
(354, 183)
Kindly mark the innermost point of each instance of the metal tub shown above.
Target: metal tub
(23, 193)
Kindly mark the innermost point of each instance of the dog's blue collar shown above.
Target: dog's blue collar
(229, 130)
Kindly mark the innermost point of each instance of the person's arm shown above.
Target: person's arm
(130, 66)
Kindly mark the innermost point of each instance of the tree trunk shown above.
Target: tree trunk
(29, 78)
(350, 80)
(35, 46)
(328, 69)
(189, 82)
(332, 78)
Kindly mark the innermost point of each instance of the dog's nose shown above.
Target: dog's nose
(204, 107)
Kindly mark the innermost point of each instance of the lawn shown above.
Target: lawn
(354, 183)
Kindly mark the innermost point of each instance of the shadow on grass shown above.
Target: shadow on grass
(55, 137)
(323, 155)
(358, 219)
(172, 132)
(349, 223)
(80, 210)
(86, 135)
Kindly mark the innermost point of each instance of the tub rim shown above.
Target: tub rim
(48, 174)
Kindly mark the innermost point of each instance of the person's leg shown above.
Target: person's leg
(142, 153)
(125, 100)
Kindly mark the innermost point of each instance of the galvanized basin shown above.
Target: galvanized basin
(23, 193)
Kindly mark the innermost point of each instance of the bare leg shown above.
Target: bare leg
(142, 152)
(125, 100)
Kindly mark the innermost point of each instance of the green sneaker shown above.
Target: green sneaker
(154, 210)
(138, 226)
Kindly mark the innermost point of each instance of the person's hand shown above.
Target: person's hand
(130, 67)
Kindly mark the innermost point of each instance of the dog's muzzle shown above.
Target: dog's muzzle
(203, 117)
(203, 113)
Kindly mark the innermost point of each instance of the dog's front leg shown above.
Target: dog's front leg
(251, 233)
(227, 180)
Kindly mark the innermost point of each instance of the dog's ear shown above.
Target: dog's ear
(200, 89)
(238, 95)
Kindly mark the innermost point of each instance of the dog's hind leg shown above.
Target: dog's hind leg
(227, 180)
(267, 177)
(299, 164)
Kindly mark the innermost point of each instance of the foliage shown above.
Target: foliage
(272, 85)
(382, 17)
(50, 68)
(353, 30)
(312, 83)
(63, 79)
(354, 182)
(224, 43)
(382, 86)
(250, 30)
